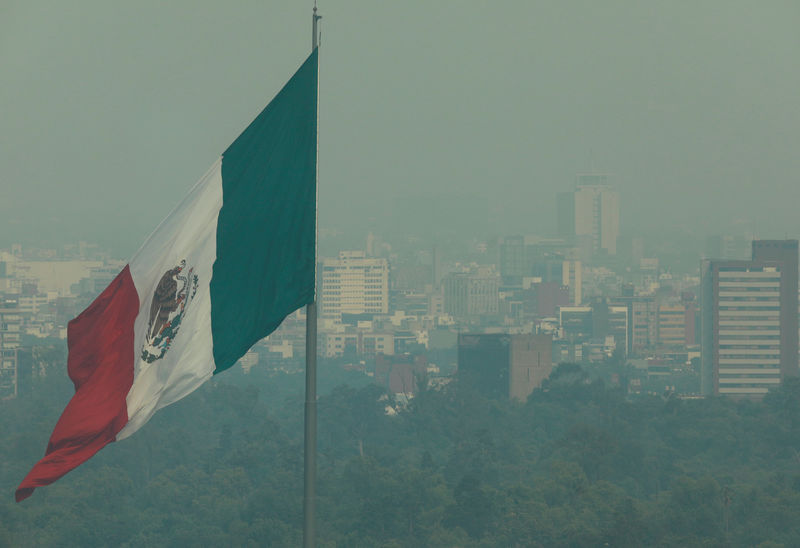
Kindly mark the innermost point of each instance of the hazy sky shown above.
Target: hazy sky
(110, 111)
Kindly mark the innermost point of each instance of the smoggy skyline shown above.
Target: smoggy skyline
(111, 112)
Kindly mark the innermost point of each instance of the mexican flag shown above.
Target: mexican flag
(221, 272)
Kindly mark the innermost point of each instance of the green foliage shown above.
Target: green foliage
(579, 464)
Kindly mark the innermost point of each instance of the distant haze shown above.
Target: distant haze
(110, 111)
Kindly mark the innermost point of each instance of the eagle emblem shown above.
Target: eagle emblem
(174, 292)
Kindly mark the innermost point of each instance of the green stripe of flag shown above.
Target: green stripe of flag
(266, 228)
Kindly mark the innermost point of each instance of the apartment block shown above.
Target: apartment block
(353, 284)
(10, 335)
(749, 320)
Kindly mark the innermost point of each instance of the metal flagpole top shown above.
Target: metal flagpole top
(314, 32)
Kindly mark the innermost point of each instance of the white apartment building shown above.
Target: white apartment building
(742, 328)
(353, 284)
(10, 333)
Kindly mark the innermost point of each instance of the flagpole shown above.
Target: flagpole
(310, 423)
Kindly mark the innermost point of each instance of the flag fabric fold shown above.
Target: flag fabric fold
(221, 272)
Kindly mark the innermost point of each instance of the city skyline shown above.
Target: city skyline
(510, 274)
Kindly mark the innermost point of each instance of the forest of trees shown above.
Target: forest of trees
(580, 464)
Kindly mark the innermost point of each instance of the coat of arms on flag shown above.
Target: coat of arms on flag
(173, 294)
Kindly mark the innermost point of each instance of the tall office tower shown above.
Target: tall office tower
(504, 366)
(512, 258)
(749, 320)
(590, 212)
(353, 284)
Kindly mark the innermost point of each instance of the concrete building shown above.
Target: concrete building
(413, 303)
(786, 253)
(672, 326)
(600, 322)
(10, 338)
(36, 303)
(513, 258)
(353, 342)
(576, 323)
(353, 284)
(400, 374)
(676, 324)
(642, 320)
(572, 277)
(546, 298)
(591, 212)
(98, 279)
(749, 320)
(54, 275)
(504, 366)
(612, 321)
(472, 293)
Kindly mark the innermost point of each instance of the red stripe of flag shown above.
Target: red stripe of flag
(100, 365)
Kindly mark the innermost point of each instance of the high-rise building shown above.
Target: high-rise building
(10, 333)
(353, 284)
(676, 323)
(642, 319)
(472, 293)
(504, 366)
(545, 298)
(672, 326)
(549, 268)
(785, 252)
(513, 261)
(749, 320)
(591, 211)
(571, 276)
(576, 323)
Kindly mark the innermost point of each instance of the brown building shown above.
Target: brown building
(549, 297)
(676, 325)
(401, 373)
(504, 366)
